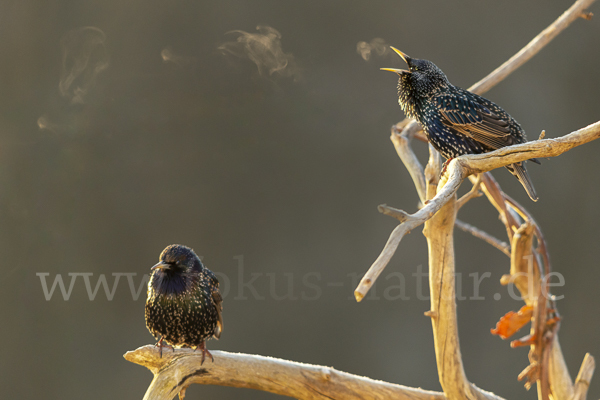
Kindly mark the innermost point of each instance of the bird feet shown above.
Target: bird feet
(161, 345)
(205, 352)
(444, 166)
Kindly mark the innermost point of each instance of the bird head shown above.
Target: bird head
(177, 269)
(421, 78)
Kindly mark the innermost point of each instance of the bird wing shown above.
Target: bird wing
(475, 121)
(218, 301)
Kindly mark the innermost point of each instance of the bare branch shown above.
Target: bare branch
(393, 212)
(401, 140)
(478, 163)
(457, 170)
(584, 377)
(471, 194)
(523, 271)
(486, 237)
(438, 231)
(560, 380)
(547, 364)
(412, 221)
(175, 371)
(532, 48)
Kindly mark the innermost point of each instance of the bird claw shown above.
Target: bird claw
(204, 353)
(160, 345)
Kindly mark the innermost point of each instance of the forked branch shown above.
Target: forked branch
(175, 371)
(458, 169)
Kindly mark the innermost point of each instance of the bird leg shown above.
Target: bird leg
(204, 352)
(160, 345)
(445, 165)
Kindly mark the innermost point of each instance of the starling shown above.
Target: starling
(184, 302)
(455, 120)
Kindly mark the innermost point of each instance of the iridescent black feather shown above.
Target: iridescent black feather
(184, 303)
(456, 121)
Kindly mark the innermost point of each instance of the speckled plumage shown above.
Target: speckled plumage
(456, 121)
(184, 303)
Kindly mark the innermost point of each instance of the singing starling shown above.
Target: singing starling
(184, 302)
(456, 121)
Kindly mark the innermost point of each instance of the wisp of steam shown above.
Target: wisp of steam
(376, 46)
(168, 56)
(264, 49)
(84, 57)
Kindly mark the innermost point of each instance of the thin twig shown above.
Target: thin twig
(412, 221)
(456, 171)
(401, 141)
(584, 377)
(486, 237)
(532, 48)
(471, 194)
(393, 212)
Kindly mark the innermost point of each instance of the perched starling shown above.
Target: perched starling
(455, 120)
(184, 303)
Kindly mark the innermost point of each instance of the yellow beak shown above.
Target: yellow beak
(398, 71)
(401, 54)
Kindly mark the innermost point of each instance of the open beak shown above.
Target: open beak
(161, 265)
(398, 71)
(404, 57)
(401, 54)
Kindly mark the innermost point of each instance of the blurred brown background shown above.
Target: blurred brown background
(285, 169)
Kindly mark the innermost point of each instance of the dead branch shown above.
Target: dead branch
(401, 140)
(412, 221)
(457, 170)
(584, 377)
(532, 48)
(486, 237)
(175, 371)
(438, 231)
(471, 194)
(547, 361)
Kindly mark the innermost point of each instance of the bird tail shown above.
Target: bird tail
(520, 172)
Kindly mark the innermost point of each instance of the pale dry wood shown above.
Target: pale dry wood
(393, 212)
(533, 47)
(477, 163)
(584, 377)
(523, 270)
(526, 270)
(560, 380)
(412, 221)
(561, 384)
(486, 237)
(175, 371)
(439, 233)
(471, 194)
(237, 370)
(401, 140)
(457, 170)
(450, 370)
